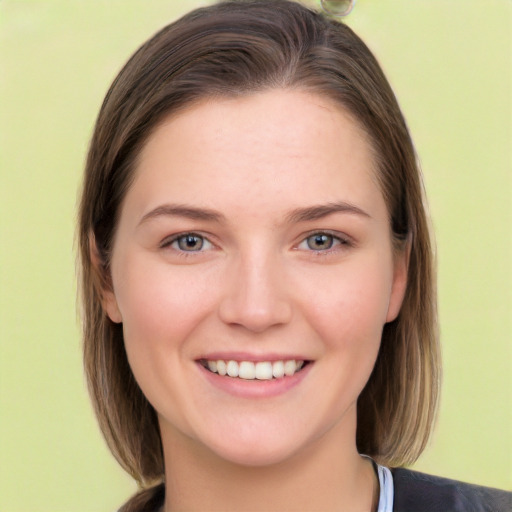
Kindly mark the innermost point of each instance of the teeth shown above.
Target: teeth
(232, 368)
(221, 368)
(289, 368)
(278, 369)
(247, 370)
(263, 371)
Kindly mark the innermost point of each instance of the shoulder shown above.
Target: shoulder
(418, 492)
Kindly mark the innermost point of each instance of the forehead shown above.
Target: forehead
(275, 146)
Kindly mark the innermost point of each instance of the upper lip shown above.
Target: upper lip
(255, 358)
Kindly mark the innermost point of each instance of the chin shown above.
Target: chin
(254, 447)
(253, 456)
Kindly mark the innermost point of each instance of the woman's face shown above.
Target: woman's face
(255, 240)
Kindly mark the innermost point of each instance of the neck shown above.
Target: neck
(327, 475)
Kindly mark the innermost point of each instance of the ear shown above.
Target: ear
(399, 287)
(103, 283)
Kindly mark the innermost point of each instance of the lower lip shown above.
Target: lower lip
(255, 388)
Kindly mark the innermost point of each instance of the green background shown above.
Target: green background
(449, 62)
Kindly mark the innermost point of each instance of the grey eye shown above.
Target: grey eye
(190, 242)
(320, 242)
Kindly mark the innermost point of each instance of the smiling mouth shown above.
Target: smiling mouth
(248, 370)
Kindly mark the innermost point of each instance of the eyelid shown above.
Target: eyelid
(341, 238)
(171, 239)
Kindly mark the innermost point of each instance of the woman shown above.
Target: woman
(257, 277)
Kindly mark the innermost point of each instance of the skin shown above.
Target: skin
(260, 287)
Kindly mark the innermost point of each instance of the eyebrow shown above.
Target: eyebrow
(178, 210)
(323, 210)
(298, 215)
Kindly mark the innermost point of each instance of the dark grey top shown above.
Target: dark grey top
(418, 492)
(413, 492)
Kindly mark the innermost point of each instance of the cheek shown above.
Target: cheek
(160, 306)
(350, 307)
(162, 310)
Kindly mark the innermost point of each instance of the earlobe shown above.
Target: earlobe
(103, 283)
(401, 267)
(110, 307)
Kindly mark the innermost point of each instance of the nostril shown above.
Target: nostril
(254, 293)
(253, 317)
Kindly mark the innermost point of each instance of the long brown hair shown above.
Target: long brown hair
(239, 48)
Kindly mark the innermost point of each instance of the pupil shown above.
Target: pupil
(321, 242)
(191, 242)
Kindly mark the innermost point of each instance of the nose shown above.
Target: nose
(256, 296)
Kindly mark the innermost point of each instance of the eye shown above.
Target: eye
(188, 242)
(321, 242)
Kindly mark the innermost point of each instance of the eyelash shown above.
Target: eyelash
(336, 242)
(168, 243)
